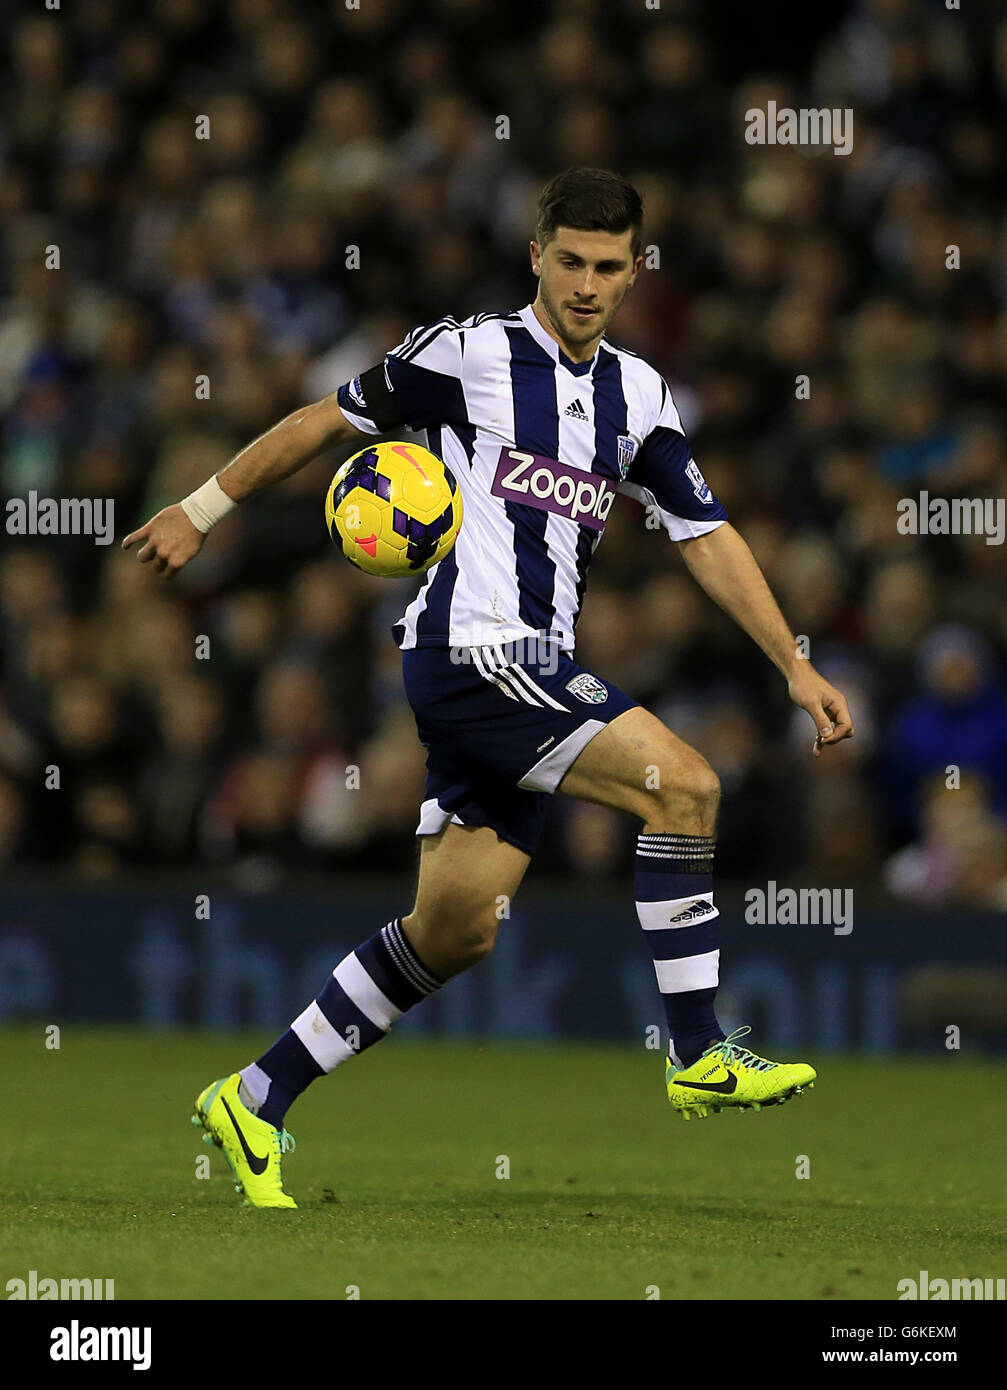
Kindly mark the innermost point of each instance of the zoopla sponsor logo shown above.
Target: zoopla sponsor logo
(551, 486)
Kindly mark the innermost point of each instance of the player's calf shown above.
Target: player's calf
(450, 940)
(464, 872)
(468, 877)
(673, 882)
(638, 765)
(369, 990)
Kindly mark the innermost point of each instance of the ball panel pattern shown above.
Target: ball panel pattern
(394, 509)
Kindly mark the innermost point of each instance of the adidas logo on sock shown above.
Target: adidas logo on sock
(695, 911)
(576, 410)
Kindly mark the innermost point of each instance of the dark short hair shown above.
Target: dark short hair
(591, 200)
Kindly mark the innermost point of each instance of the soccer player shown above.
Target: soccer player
(541, 420)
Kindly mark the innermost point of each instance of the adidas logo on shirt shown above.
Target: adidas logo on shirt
(576, 410)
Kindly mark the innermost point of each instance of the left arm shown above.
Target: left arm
(722, 564)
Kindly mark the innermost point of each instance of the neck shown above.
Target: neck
(577, 352)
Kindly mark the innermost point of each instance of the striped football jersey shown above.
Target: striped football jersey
(540, 445)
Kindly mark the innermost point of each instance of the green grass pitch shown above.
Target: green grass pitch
(609, 1193)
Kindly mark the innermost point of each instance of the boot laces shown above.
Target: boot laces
(734, 1052)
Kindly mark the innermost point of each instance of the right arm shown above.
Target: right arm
(171, 539)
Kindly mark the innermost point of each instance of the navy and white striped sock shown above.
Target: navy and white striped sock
(367, 992)
(674, 901)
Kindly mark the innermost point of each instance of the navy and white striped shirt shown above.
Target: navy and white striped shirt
(539, 445)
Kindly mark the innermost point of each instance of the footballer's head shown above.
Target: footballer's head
(586, 252)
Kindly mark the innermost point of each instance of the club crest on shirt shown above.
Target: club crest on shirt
(627, 451)
(588, 689)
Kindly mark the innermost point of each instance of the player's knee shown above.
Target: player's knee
(476, 943)
(466, 936)
(704, 786)
(692, 794)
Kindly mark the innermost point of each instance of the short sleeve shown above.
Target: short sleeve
(664, 475)
(418, 385)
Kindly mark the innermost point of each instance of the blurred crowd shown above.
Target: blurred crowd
(249, 714)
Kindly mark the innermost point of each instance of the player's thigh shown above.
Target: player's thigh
(467, 873)
(637, 764)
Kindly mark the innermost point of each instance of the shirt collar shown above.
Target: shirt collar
(529, 318)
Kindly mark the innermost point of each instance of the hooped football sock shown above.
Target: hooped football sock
(375, 985)
(674, 901)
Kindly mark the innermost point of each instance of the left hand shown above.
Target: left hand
(826, 705)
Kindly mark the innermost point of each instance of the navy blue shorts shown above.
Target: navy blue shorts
(501, 728)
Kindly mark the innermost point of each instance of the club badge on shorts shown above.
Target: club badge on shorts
(588, 689)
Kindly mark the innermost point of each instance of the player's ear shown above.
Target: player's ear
(637, 267)
(536, 257)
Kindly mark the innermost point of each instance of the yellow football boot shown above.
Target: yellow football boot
(253, 1148)
(728, 1076)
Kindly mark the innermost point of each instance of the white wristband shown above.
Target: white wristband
(207, 505)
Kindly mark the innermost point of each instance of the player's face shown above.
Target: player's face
(583, 278)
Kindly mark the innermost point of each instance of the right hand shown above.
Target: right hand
(170, 539)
